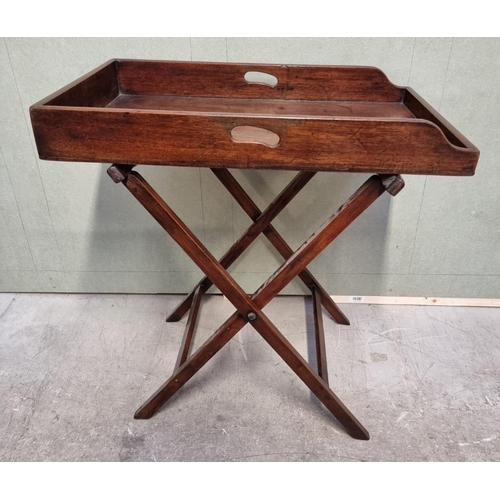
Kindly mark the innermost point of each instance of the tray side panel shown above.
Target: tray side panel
(341, 83)
(98, 90)
(107, 136)
(422, 109)
(198, 79)
(337, 83)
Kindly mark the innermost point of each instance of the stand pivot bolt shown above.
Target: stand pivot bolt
(251, 316)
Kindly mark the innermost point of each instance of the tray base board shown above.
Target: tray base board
(262, 107)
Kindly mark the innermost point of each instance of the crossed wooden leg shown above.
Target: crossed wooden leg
(250, 308)
(262, 224)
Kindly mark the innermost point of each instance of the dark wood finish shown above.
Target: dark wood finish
(179, 78)
(249, 236)
(195, 363)
(249, 308)
(326, 83)
(97, 88)
(262, 107)
(162, 138)
(319, 240)
(319, 336)
(286, 351)
(308, 279)
(342, 83)
(393, 183)
(246, 203)
(424, 111)
(119, 172)
(187, 240)
(188, 336)
(316, 384)
(178, 113)
(312, 118)
(235, 189)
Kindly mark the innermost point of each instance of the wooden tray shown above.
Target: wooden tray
(337, 118)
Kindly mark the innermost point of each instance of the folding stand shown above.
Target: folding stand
(249, 308)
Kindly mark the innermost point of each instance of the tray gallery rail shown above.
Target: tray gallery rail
(198, 114)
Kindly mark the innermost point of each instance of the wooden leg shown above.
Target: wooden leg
(368, 193)
(187, 339)
(319, 334)
(261, 222)
(249, 308)
(274, 238)
(246, 203)
(193, 364)
(317, 385)
(285, 350)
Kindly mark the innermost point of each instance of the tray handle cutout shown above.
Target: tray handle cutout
(261, 78)
(255, 135)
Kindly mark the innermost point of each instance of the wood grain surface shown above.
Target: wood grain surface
(181, 113)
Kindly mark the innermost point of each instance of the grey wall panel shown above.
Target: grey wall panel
(458, 231)
(20, 162)
(209, 49)
(14, 248)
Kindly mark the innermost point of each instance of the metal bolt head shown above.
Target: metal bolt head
(251, 316)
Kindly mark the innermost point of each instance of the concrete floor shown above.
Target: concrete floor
(425, 381)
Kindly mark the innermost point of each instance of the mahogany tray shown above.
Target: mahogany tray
(338, 118)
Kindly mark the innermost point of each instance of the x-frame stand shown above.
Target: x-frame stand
(249, 308)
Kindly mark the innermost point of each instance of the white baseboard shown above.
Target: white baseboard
(410, 301)
(416, 301)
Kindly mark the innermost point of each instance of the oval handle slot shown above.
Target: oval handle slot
(255, 135)
(261, 78)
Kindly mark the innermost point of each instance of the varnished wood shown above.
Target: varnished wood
(248, 237)
(279, 343)
(188, 336)
(119, 172)
(393, 183)
(262, 107)
(248, 308)
(246, 203)
(331, 144)
(312, 118)
(97, 88)
(180, 113)
(188, 241)
(319, 336)
(326, 83)
(316, 384)
(307, 278)
(319, 240)
(424, 111)
(239, 194)
(361, 200)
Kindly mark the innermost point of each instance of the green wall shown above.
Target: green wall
(66, 227)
